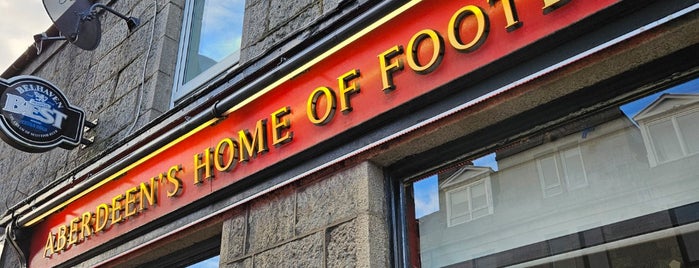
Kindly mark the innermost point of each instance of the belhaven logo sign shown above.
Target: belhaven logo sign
(35, 116)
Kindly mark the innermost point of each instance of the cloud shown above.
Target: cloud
(222, 25)
(20, 21)
(426, 195)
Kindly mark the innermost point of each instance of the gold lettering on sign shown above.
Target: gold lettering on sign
(455, 24)
(437, 44)
(312, 106)
(551, 5)
(388, 67)
(508, 6)
(252, 144)
(122, 207)
(280, 127)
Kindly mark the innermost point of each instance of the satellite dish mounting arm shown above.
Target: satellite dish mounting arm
(83, 27)
(131, 22)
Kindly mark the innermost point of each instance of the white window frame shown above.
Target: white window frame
(469, 212)
(561, 172)
(654, 160)
(182, 89)
(548, 190)
(566, 174)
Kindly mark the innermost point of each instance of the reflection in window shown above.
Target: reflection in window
(212, 40)
(689, 131)
(468, 194)
(468, 202)
(548, 174)
(572, 169)
(426, 199)
(669, 126)
(611, 201)
(208, 263)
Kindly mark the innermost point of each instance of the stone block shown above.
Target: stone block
(304, 252)
(157, 92)
(282, 10)
(301, 21)
(165, 58)
(244, 263)
(107, 67)
(255, 24)
(179, 3)
(331, 5)
(249, 3)
(120, 115)
(254, 50)
(82, 61)
(130, 77)
(373, 241)
(111, 39)
(135, 45)
(342, 196)
(144, 11)
(271, 220)
(342, 245)
(327, 201)
(233, 238)
(98, 99)
(172, 16)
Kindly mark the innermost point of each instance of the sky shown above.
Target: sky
(20, 20)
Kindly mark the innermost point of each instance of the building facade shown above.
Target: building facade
(318, 133)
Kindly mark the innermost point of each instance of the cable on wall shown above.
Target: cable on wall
(141, 91)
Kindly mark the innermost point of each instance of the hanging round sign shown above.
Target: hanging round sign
(35, 115)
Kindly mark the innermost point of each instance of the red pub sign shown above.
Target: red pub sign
(415, 49)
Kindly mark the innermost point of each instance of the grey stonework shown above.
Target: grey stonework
(338, 221)
(106, 83)
(268, 23)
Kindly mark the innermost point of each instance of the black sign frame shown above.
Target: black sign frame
(35, 116)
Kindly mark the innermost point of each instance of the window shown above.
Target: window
(572, 169)
(609, 204)
(210, 43)
(548, 175)
(670, 126)
(467, 193)
(469, 202)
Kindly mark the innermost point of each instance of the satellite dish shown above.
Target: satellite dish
(78, 22)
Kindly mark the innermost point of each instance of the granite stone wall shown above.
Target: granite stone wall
(107, 84)
(338, 221)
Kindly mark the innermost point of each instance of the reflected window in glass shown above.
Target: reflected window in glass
(616, 189)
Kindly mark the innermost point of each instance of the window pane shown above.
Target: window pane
(458, 203)
(478, 196)
(665, 142)
(624, 210)
(215, 34)
(689, 127)
(573, 168)
(548, 173)
(458, 220)
(426, 197)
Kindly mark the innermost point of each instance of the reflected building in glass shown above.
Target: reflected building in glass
(600, 191)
